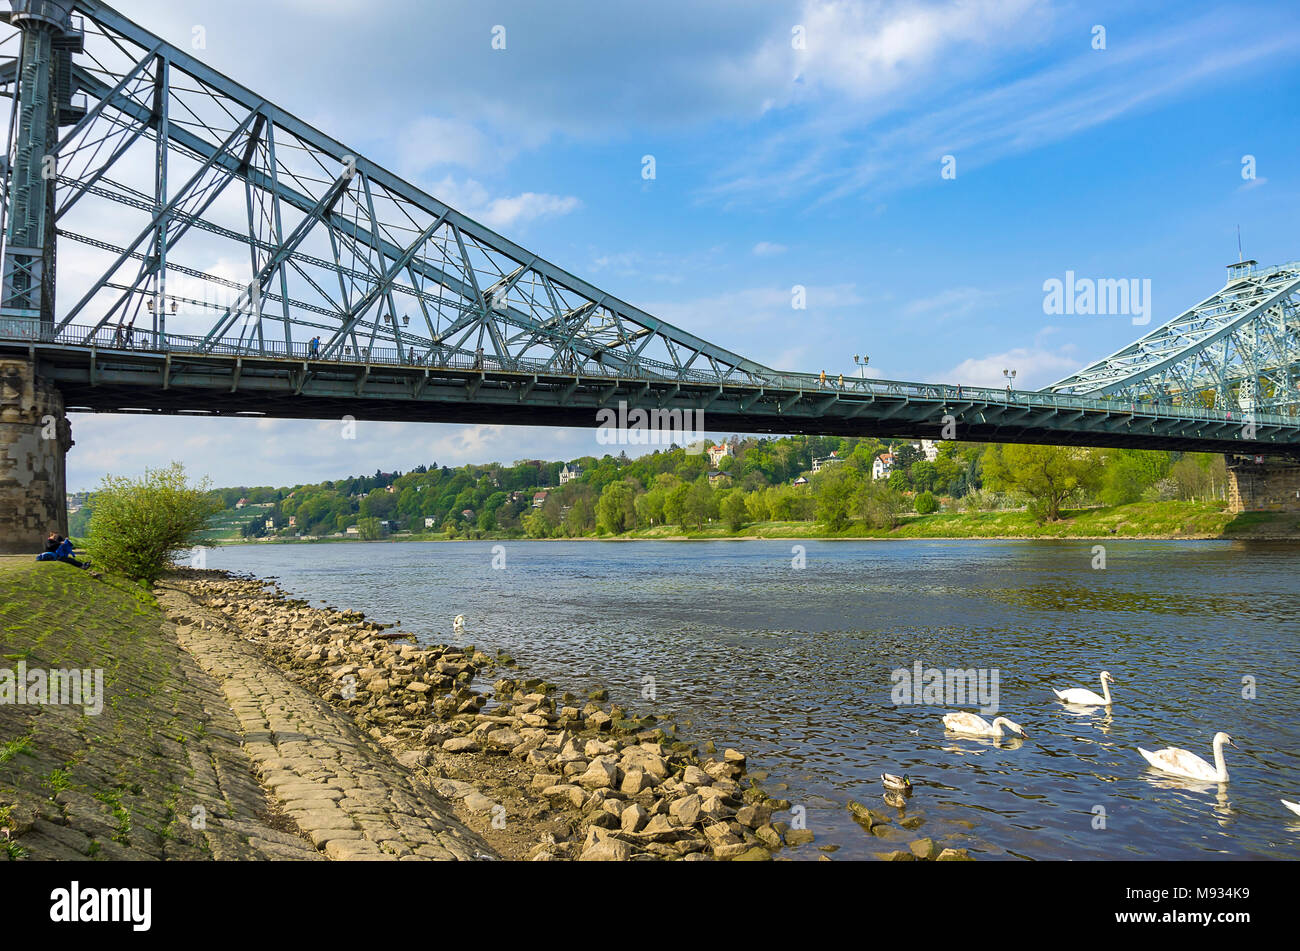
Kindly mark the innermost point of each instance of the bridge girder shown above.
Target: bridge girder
(1237, 350)
(226, 236)
(161, 116)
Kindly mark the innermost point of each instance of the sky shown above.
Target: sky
(921, 168)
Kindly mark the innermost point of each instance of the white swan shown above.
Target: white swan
(963, 722)
(1189, 765)
(458, 625)
(1087, 698)
(1293, 806)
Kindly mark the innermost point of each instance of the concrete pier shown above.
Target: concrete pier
(35, 436)
(1270, 485)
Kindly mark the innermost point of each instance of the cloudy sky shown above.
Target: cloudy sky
(794, 143)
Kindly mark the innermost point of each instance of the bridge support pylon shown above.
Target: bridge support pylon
(35, 436)
(1263, 484)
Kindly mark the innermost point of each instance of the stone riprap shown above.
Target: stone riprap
(540, 775)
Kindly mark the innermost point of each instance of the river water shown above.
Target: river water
(793, 666)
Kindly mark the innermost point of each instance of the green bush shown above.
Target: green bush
(926, 504)
(139, 524)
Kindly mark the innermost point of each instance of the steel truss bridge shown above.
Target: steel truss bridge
(233, 260)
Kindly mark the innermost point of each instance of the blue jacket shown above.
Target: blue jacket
(65, 550)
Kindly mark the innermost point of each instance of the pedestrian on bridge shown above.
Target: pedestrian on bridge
(313, 347)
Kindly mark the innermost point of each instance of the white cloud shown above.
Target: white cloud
(472, 198)
(768, 249)
(432, 141)
(1035, 367)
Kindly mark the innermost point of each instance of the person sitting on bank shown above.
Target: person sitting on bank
(52, 541)
(64, 552)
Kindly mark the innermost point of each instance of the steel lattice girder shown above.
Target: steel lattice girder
(331, 240)
(1237, 349)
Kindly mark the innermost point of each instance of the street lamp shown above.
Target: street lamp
(862, 362)
(1011, 378)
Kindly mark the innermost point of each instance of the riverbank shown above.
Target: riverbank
(238, 723)
(537, 774)
(1139, 520)
(195, 747)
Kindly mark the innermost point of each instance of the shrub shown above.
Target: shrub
(926, 504)
(139, 524)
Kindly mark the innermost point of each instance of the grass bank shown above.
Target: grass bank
(1171, 520)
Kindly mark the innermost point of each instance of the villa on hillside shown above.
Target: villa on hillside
(800, 481)
(818, 464)
(717, 454)
(930, 449)
(716, 476)
(569, 473)
(539, 499)
(882, 466)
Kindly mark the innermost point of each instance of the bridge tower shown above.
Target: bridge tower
(34, 431)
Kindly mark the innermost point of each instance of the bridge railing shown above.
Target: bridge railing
(113, 339)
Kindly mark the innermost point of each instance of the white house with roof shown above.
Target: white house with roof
(570, 473)
(930, 449)
(717, 454)
(882, 466)
(819, 464)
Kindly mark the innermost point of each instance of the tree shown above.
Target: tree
(1047, 474)
(675, 504)
(370, 529)
(616, 510)
(835, 488)
(879, 505)
(139, 524)
(1126, 474)
(734, 510)
(926, 504)
(701, 504)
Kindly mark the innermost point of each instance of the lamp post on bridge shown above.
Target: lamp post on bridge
(862, 362)
(1011, 378)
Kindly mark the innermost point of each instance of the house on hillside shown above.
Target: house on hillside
(352, 532)
(819, 464)
(882, 466)
(570, 473)
(241, 503)
(800, 481)
(717, 476)
(930, 449)
(717, 454)
(539, 499)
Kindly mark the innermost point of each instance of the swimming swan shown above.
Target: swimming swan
(1293, 806)
(1086, 697)
(963, 722)
(1189, 765)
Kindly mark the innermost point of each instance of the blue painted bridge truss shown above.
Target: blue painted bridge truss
(233, 260)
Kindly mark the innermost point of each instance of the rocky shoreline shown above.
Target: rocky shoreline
(537, 773)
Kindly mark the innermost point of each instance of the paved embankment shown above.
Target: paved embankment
(202, 749)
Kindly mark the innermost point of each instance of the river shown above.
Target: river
(793, 665)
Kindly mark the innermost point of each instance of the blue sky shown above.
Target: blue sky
(777, 166)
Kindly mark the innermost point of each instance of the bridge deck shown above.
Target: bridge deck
(185, 375)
